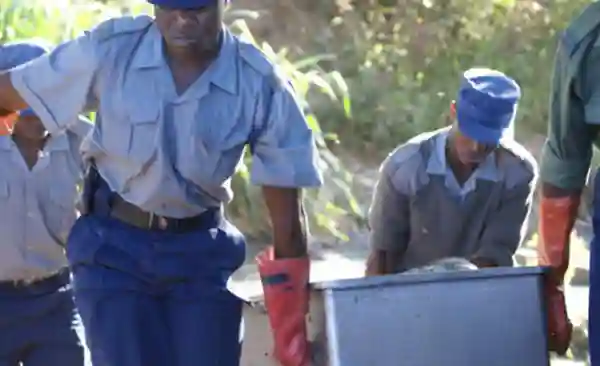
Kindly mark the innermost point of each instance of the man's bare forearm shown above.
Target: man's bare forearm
(288, 221)
(10, 99)
(381, 262)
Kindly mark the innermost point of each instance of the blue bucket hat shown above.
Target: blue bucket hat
(184, 4)
(487, 105)
(17, 53)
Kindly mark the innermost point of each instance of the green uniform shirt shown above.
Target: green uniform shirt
(574, 104)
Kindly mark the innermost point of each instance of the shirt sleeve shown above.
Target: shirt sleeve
(506, 228)
(389, 215)
(284, 150)
(58, 86)
(567, 152)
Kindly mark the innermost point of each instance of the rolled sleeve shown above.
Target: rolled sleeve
(285, 152)
(57, 86)
(566, 167)
(505, 228)
(567, 152)
(389, 216)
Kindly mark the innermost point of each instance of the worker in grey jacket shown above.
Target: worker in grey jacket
(461, 191)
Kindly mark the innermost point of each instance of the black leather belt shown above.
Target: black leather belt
(135, 216)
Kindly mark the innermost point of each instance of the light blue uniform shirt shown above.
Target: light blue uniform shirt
(172, 154)
(437, 164)
(38, 206)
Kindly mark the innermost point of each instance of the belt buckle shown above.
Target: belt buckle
(162, 222)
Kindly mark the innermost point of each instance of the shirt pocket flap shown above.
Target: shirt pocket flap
(143, 114)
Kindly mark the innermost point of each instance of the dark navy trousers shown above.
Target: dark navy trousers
(39, 325)
(156, 298)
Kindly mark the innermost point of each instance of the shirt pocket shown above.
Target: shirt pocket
(143, 141)
(133, 135)
(213, 152)
(432, 227)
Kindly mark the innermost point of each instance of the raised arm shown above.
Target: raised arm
(57, 86)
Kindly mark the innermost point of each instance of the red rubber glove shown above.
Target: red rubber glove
(285, 286)
(557, 217)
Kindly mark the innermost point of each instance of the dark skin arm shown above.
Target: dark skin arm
(551, 191)
(381, 262)
(288, 220)
(10, 99)
(483, 262)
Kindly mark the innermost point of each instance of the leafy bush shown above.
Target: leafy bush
(403, 59)
(58, 21)
(325, 206)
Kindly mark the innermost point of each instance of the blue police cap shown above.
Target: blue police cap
(487, 105)
(184, 4)
(17, 53)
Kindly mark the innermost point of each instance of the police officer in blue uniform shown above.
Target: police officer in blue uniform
(178, 99)
(39, 174)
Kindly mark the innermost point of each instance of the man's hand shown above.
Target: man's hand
(483, 262)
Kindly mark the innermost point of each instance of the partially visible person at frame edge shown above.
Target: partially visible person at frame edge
(574, 118)
(178, 97)
(40, 172)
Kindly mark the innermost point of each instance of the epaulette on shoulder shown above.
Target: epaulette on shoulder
(581, 27)
(260, 62)
(522, 155)
(425, 136)
(400, 155)
(409, 150)
(121, 25)
(256, 58)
